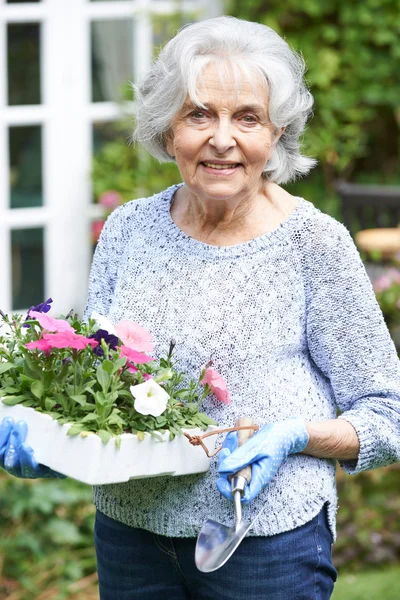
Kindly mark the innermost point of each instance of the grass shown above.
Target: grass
(369, 585)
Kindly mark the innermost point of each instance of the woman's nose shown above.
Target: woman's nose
(223, 138)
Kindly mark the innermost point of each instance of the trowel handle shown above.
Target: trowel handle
(243, 436)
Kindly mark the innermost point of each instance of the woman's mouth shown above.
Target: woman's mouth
(220, 169)
(219, 166)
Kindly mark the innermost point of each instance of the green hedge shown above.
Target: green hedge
(46, 529)
(352, 50)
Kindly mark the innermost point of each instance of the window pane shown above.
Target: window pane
(27, 267)
(23, 60)
(25, 151)
(112, 60)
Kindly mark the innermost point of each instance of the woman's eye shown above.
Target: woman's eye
(249, 119)
(198, 114)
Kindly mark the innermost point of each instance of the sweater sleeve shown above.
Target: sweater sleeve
(104, 269)
(350, 343)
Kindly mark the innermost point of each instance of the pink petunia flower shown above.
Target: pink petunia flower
(217, 385)
(68, 340)
(50, 324)
(133, 369)
(39, 345)
(134, 356)
(134, 336)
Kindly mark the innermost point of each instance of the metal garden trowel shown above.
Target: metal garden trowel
(216, 542)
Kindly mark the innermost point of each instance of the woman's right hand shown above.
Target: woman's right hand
(16, 457)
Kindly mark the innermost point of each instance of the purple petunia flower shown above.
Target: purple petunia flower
(44, 307)
(110, 339)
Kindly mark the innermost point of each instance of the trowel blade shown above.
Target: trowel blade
(216, 543)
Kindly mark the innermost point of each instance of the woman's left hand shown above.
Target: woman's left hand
(264, 451)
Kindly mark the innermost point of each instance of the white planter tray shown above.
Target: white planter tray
(90, 461)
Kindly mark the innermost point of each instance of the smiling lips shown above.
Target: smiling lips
(220, 166)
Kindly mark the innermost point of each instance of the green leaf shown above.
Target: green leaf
(26, 380)
(89, 417)
(13, 400)
(74, 430)
(5, 366)
(117, 442)
(104, 435)
(49, 403)
(79, 399)
(54, 415)
(108, 367)
(156, 435)
(30, 369)
(182, 394)
(37, 389)
(175, 429)
(140, 435)
(119, 363)
(164, 375)
(125, 394)
(11, 390)
(29, 403)
(205, 419)
(103, 378)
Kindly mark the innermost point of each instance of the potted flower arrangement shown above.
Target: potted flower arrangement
(99, 408)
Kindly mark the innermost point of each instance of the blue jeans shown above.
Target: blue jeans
(134, 563)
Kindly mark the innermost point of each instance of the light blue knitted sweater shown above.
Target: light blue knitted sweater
(290, 320)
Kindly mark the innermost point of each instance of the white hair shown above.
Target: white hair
(248, 48)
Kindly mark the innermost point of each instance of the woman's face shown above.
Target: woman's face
(221, 152)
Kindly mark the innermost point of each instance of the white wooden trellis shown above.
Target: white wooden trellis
(66, 116)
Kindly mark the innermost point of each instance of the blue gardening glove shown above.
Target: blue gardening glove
(265, 451)
(16, 457)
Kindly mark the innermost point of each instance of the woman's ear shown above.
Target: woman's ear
(169, 142)
(277, 135)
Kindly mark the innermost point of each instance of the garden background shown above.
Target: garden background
(352, 50)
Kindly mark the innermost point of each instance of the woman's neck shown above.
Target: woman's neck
(220, 223)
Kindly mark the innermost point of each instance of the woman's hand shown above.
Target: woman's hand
(16, 457)
(264, 451)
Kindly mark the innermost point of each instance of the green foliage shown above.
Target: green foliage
(129, 169)
(314, 189)
(46, 536)
(387, 289)
(368, 522)
(352, 50)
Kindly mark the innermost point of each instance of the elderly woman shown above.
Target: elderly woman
(273, 290)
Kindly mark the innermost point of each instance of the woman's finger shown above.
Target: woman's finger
(6, 426)
(28, 462)
(16, 438)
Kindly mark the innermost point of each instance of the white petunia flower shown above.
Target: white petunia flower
(104, 323)
(150, 398)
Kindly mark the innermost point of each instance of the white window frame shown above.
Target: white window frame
(66, 116)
